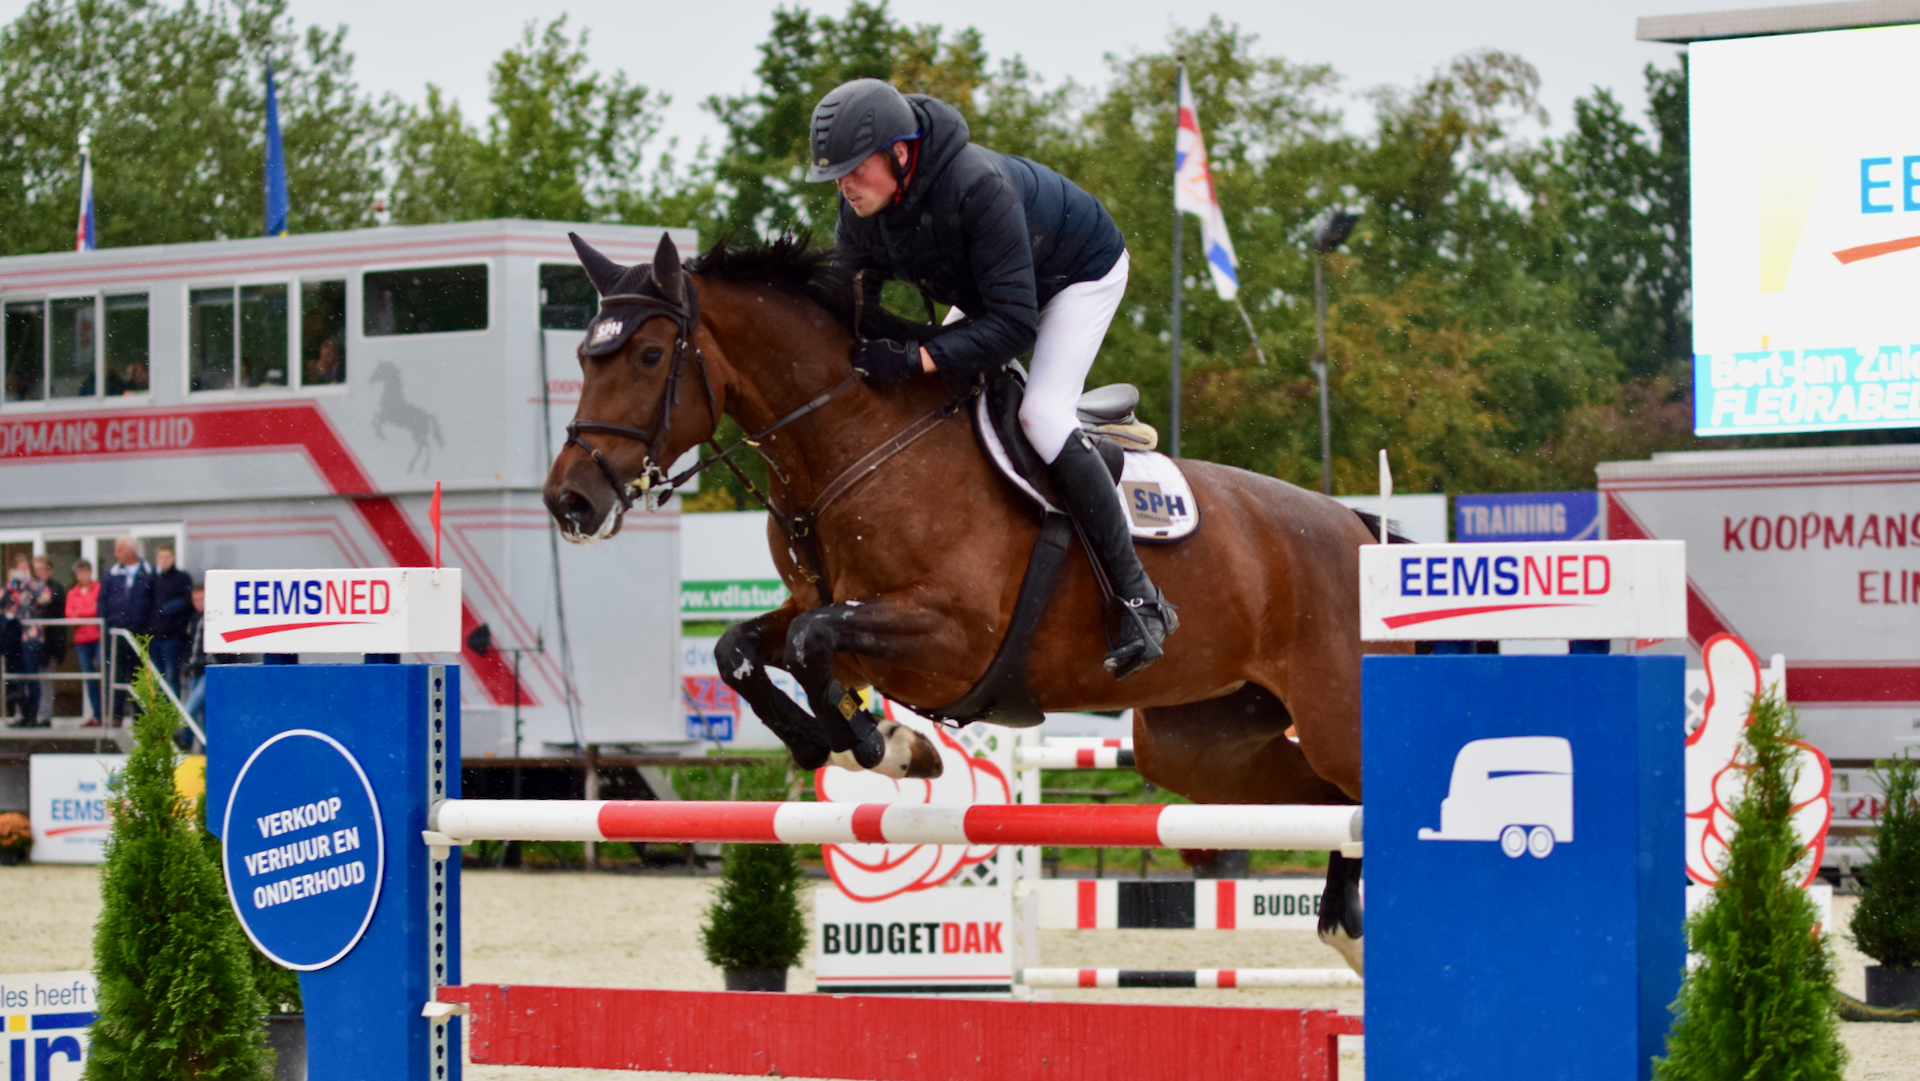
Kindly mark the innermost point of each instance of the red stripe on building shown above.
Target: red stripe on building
(1703, 619)
(1087, 898)
(691, 821)
(866, 823)
(1225, 904)
(1130, 826)
(300, 426)
(1813, 683)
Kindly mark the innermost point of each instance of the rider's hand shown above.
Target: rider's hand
(886, 362)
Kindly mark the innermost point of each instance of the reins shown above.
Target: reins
(798, 528)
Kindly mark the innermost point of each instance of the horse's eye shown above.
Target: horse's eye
(651, 357)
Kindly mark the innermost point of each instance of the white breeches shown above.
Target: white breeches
(1072, 326)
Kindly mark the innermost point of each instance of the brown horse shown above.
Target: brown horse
(925, 555)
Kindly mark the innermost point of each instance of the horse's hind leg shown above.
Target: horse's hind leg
(1234, 749)
(742, 655)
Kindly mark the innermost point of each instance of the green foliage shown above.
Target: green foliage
(174, 96)
(770, 780)
(1886, 922)
(1758, 1005)
(279, 987)
(755, 919)
(177, 998)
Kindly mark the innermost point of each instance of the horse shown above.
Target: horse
(923, 549)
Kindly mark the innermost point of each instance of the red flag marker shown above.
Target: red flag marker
(433, 515)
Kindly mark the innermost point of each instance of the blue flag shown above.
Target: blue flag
(276, 164)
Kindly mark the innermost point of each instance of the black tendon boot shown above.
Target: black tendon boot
(1086, 488)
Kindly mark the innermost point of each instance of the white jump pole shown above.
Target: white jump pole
(1052, 757)
(1222, 978)
(1297, 828)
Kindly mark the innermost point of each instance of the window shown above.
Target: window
(567, 299)
(427, 300)
(55, 348)
(323, 333)
(242, 336)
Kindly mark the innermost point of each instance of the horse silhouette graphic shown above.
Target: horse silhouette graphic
(1517, 790)
(397, 411)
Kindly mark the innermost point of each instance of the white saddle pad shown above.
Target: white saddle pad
(1153, 493)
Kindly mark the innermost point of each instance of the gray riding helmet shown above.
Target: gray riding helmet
(852, 122)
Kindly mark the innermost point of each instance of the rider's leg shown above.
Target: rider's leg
(1072, 326)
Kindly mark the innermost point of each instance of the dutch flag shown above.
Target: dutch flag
(83, 234)
(1193, 193)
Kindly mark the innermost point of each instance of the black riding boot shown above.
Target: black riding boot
(1086, 489)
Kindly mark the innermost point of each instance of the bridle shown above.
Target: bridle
(655, 485)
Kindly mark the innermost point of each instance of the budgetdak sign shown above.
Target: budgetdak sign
(1806, 232)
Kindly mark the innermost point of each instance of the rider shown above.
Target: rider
(1026, 259)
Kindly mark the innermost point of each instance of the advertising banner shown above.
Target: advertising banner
(1806, 233)
(68, 805)
(363, 610)
(43, 1024)
(951, 939)
(1527, 516)
(1587, 589)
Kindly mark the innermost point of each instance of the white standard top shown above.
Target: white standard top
(1554, 589)
(363, 610)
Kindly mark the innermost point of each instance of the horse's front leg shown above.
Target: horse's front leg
(872, 628)
(742, 655)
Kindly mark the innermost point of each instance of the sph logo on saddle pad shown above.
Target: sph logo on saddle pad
(1586, 589)
(366, 610)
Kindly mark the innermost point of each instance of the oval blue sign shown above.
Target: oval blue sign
(303, 849)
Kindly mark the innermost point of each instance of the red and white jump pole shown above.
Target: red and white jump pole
(1297, 828)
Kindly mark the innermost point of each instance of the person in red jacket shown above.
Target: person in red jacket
(83, 602)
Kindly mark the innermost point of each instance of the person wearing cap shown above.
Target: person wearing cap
(1026, 260)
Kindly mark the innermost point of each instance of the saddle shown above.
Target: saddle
(1159, 503)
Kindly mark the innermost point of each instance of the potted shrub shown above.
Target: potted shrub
(1886, 922)
(754, 930)
(16, 838)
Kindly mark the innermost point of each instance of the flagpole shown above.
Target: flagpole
(1173, 439)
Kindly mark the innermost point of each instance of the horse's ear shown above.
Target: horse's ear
(603, 272)
(666, 269)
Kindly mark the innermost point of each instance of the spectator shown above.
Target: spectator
(196, 666)
(172, 617)
(25, 596)
(83, 602)
(54, 650)
(126, 601)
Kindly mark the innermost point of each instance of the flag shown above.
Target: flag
(276, 164)
(1193, 193)
(433, 515)
(83, 234)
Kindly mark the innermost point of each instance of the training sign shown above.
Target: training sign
(364, 610)
(1588, 589)
(302, 849)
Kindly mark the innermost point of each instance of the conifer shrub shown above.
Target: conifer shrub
(177, 998)
(755, 921)
(1886, 922)
(1757, 1002)
(279, 987)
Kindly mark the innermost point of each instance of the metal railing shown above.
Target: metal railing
(105, 676)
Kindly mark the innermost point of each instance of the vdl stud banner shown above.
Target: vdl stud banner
(1806, 232)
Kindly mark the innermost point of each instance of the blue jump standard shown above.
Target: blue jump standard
(329, 771)
(1493, 949)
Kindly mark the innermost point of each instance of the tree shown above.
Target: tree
(1886, 922)
(1758, 1003)
(177, 998)
(564, 143)
(175, 100)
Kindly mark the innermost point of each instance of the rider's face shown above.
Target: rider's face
(869, 188)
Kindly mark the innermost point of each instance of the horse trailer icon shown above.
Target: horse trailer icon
(1517, 790)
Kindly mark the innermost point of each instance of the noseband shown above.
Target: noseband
(686, 319)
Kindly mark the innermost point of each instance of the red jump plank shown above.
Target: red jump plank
(874, 1038)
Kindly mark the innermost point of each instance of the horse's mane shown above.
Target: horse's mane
(794, 265)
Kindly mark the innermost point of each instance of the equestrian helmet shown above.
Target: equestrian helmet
(854, 121)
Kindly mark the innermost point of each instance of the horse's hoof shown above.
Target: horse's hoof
(1352, 950)
(910, 755)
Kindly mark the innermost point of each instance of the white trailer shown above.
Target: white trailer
(292, 401)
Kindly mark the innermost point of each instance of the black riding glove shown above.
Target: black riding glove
(886, 362)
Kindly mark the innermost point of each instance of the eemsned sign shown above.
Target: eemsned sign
(362, 610)
(1582, 589)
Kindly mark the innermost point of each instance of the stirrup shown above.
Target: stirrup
(1142, 648)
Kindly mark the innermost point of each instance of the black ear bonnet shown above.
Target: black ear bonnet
(629, 296)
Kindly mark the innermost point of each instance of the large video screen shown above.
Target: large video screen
(1806, 232)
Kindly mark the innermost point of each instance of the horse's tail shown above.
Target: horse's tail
(1372, 522)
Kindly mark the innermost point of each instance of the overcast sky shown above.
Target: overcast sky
(693, 50)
